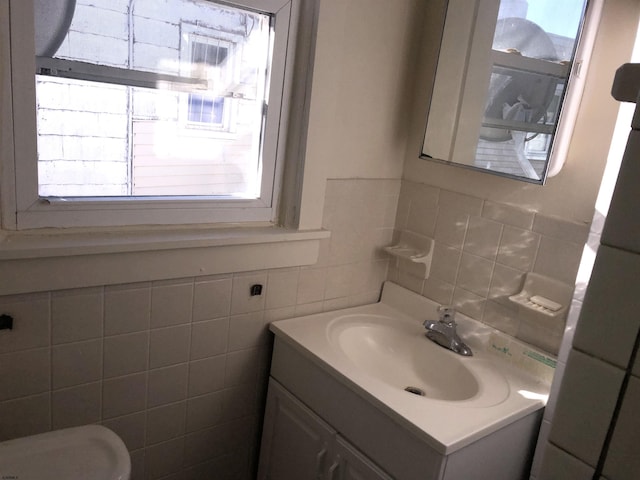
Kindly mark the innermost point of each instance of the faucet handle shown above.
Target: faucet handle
(447, 314)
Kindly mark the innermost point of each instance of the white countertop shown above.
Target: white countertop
(513, 378)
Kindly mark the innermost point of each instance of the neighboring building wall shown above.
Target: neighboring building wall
(83, 134)
(482, 252)
(171, 160)
(178, 368)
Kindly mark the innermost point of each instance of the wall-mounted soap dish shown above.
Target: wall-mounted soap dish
(538, 303)
(414, 248)
(544, 295)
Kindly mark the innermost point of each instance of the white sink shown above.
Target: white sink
(396, 352)
(380, 351)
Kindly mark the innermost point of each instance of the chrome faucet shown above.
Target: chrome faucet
(443, 332)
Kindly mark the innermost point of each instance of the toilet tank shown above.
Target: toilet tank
(88, 452)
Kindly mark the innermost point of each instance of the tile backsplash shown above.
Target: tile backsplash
(178, 368)
(482, 252)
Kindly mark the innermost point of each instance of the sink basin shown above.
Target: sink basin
(381, 354)
(396, 351)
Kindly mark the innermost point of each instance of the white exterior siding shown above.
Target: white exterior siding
(100, 21)
(54, 94)
(88, 47)
(165, 155)
(155, 104)
(82, 138)
(156, 58)
(155, 32)
(121, 6)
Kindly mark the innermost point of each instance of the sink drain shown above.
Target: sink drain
(414, 390)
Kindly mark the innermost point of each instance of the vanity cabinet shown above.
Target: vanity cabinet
(299, 445)
(319, 426)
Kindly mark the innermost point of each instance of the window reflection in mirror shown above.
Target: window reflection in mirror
(502, 83)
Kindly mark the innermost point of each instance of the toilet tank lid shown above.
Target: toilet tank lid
(90, 451)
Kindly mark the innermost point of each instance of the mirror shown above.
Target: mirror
(506, 86)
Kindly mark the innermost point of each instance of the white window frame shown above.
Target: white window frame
(462, 80)
(22, 208)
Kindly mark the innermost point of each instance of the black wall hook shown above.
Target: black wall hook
(6, 322)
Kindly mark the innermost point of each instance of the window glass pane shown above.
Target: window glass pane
(201, 136)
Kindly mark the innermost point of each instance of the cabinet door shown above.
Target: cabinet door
(295, 441)
(349, 464)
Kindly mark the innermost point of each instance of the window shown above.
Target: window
(151, 114)
(508, 83)
(209, 60)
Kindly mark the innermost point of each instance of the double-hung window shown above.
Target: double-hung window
(148, 112)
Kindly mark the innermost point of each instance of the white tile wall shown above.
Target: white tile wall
(127, 308)
(125, 354)
(25, 416)
(559, 465)
(75, 406)
(558, 259)
(212, 298)
(483, 237)
(482, 252)
(168, 384)
(607, 336)
(34, 330)
(241, 299)
(508, 215)
(169, 346)
(209, 338)
(178, 368)
(24, 373)
(124, 395)
(608, 329)
(171, 303)
(518, 248)
(623, 460)
(622, 229)
(76, 363)
(165, 423)
(585, 412)
(130, 428)
(76, 315)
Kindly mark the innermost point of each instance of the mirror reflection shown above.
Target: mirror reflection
(503, 75)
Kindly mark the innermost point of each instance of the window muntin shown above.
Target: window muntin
(147, 152)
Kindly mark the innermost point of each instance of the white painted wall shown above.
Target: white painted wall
(361, 99)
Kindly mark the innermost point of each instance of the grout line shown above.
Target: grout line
(617, 247)
(50, 313)
(101, 401)
(537, 251)
(616, 411)
(183, 431)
